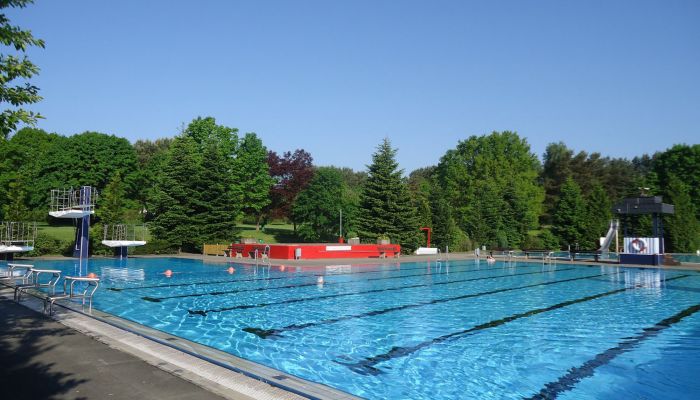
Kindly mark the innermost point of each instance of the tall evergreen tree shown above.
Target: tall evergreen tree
(385, 203)
(219, 208)
(598, 209)
(442, 223)
(682, 227)
(252, 172)
(176, 199)
(110, 209)
(570, 216)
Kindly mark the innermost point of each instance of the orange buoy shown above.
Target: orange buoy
(91, 275)
(231, 270)
(168, 273)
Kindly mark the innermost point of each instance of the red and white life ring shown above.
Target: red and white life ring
(637, 245)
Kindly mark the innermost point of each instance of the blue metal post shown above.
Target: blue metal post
(82, 238)
(123, 251)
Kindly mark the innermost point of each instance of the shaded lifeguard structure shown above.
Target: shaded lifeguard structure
(79, 205)
(16, 237)
(122, 236)
(644, 250)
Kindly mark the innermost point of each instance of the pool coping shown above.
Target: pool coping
(219, 372)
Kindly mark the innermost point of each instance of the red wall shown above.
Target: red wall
(318, 251)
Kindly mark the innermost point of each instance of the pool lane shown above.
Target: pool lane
(355, 293)
(568, 381)
(314, 284)
(367, 365)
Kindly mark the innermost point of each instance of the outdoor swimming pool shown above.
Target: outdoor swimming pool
(461, 329)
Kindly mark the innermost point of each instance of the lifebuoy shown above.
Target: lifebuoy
(638, 245)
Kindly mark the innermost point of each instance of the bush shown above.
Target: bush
(47, 245)
(460, 241)
(154, 247)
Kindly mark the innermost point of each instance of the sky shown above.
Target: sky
(336, 77)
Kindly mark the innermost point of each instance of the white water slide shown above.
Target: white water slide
(614, 226)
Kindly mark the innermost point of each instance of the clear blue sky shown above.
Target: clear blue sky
(335, 77)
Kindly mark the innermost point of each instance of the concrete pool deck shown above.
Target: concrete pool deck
(75, 355)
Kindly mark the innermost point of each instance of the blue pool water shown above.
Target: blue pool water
(457, 330)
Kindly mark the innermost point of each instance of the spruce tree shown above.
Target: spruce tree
(252, 173)
(385, 203)
(110, 209)
(176, 200)
(219, 208)
(599, 213)
(570, 215)
(682, 227)
(443, 224)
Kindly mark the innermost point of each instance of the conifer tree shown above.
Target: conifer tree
(385, 203)
(599, 212)
(318, 206)
(219, 207)
(176, 200)
(443, 224)
(252, 173)
(570, 215)
(682, 227)
(111, 207)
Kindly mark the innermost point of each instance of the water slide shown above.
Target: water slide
(614, 226)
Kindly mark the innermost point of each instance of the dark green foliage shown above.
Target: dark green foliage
(252, 173)
(570, 217)
(491, 185)
(385, 203)
(110, 206)
(318, 206)
(18, 69)
(682, 228)
(219, 206)
(683, 162)
(598, 207)
(176, 197)
(444, 228)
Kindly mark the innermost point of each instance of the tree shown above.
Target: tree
(252, 173)
(318, 206)
(682, 227)
(218, 208)
(385, 203)
(110, 209)
(491, 184)
(598, 208)
(683, 162)
(15, 207)
(570, 216)
(291, 173)
(175, 199)
(17, 67)
(442, 223)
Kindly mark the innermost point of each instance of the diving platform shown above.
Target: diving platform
(16, 237)
(122, 236)
(123, 243)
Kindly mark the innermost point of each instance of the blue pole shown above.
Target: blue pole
(82, 238)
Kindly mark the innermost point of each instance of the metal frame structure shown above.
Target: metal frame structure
(122, 236)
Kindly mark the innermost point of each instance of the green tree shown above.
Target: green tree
(218, 208)
(385, 203)
(598, 207)
(491, 184)
(444, 229)
(682, 227)
(683, 162)
(570, 216)
(17, 67)
(176, 198)
(110, 208)
(252, 173)
(15, 208)
(318, 206)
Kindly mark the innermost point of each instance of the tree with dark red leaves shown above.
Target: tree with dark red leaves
(292, 173)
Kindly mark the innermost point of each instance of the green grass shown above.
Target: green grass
(273, 233)
(65, 233)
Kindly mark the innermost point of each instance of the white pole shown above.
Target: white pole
(341, 222)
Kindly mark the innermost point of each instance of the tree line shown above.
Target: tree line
(491, 190)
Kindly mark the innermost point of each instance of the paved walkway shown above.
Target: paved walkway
(42, 359)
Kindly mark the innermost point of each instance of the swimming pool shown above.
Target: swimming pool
(461, 329)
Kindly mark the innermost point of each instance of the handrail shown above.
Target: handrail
(69, 292)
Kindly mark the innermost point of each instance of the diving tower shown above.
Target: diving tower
(121, 236)
(16, 237)
(76, 204)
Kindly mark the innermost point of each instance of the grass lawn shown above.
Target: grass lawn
(272, 233)
(66, 233)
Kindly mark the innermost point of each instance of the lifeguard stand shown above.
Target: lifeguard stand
(77, 204)
(16, 237)
(644, 250)
(121, 236)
